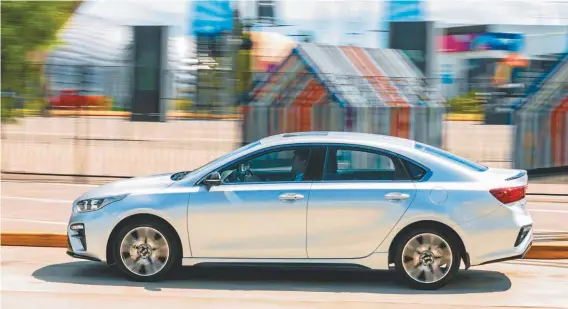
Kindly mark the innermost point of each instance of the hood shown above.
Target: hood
(146, 183)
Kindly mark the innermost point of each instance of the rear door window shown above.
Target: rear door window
(360, 164)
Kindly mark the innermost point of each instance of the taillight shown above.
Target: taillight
(509, 195)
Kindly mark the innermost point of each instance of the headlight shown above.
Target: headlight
(97, 203)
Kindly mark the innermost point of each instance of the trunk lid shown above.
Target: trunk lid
(507, 177)
(507, 185)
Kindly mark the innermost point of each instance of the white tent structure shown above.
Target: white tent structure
(94, 57)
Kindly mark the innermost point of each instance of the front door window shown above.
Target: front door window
(296, 164)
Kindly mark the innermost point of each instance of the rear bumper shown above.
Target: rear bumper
(514, 253)
(506, 234)
(510, 258)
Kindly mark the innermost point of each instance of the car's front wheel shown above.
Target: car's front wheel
(146, 251)
(427, 259)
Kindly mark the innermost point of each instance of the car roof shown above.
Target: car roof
(337, 137)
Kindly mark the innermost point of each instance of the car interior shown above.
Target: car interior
(342, 164)
(365, 166)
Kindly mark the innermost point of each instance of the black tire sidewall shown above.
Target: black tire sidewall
(456, 259)
(174, 259)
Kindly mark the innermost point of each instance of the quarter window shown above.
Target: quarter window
(415, 172)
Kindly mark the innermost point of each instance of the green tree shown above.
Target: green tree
(28, 26)
(243, 59)
(244, 66)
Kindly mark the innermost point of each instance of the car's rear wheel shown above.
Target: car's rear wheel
(146, 251)
(427, 259)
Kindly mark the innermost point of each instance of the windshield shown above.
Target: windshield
(451, 157)
(234, 152)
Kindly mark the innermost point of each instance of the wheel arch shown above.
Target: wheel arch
(143, 217)
(429, 224)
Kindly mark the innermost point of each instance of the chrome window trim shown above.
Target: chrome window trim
(326, 145)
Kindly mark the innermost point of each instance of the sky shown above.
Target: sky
(332, 20)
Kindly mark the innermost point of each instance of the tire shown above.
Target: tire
(146, 251)
(427, 267)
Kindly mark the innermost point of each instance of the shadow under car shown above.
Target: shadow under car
(265, 278)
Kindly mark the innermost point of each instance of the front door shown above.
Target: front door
(258, 211)
(363, 195)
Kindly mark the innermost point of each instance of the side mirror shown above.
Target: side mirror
(214, 179)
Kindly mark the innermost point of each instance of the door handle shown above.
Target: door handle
(396, 196)
(290, 197)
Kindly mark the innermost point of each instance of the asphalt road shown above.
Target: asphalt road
(45, 207)
(47, 278)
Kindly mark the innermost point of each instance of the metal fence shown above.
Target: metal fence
(104, 142)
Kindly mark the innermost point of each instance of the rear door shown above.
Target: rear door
(364, 192)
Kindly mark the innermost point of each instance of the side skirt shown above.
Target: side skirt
(375, 261)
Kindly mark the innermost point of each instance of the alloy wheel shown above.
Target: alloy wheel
(144, 251)
(427, 258)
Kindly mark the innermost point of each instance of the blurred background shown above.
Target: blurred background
(126, 88)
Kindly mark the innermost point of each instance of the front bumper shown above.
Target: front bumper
(82, 257)
(88, 243)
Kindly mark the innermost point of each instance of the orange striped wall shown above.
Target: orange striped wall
(558, 133)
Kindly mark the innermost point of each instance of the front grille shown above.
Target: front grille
(523, 233)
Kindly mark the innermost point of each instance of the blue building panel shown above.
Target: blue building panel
(211, 17)
(406, 10)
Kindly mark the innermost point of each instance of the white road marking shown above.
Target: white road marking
(549, 201)
(551, 231)
(549, 210)
(114, 139)
(51, 183)
(35, 221)
(34, 199)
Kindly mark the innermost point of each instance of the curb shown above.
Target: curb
(549, 251)
(538, 251)
(34, 240)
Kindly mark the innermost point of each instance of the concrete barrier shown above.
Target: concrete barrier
(123, 114)
(188, 115)
(539, 251)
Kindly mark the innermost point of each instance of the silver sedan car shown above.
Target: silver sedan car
(325, 198)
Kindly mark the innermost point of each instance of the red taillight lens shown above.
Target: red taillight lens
(509, 195)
